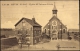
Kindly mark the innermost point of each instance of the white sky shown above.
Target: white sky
(68, 12)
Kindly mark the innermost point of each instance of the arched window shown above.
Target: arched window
(45, 30)
(63, 30)
(55, 27)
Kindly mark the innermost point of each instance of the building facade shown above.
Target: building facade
(29, 29)
(55, 28)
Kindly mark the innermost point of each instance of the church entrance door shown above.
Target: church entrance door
(54, 35)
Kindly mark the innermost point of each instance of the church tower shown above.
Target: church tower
(54, 11)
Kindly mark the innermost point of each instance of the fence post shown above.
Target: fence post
(58, 46)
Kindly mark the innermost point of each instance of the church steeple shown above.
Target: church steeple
(54, 10)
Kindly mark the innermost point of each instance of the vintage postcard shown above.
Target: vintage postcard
(40, 25)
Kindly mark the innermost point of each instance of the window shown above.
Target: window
(35, 41)
(24, 24)
(45, 30)
(19, 32)
(31, 28)
(26, 31)
(54, 12)
(52, 27)
(35, 32)
(27, 38)
(54, 23)
(39, 31)
(49, 31)
(39, 39)
(53, 31)
(55, 27)
(63, 30)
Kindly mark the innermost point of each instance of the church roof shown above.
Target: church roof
(29, 21)
(55, 17)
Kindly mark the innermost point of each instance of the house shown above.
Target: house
(55, 28)
(30, 29)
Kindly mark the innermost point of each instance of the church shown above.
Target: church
(55, 29)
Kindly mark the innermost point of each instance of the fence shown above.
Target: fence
(77, 38)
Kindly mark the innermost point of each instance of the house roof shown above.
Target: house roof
(73, 30)
(6, 29)
(29, 21)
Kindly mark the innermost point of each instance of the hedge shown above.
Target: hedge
(8, 41)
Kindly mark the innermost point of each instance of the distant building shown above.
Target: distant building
(55, 28)
(73, 32)
(30, 28)
(6, 32)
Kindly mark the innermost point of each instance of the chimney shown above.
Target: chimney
(33, 19)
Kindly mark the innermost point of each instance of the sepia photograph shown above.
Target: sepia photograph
(40, 25)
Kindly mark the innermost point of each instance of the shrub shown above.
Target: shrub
(9, 41)
(69, 38)
(3, 36)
